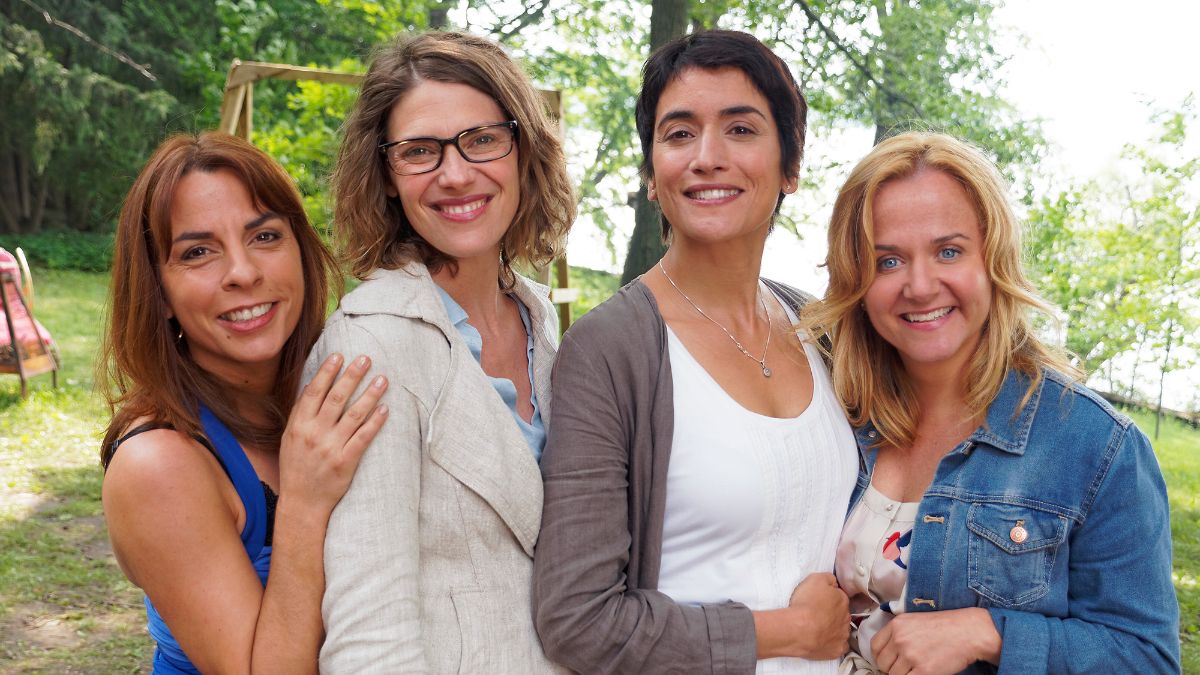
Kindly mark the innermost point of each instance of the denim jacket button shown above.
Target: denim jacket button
(1018, 534)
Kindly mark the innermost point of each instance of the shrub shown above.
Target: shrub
(83, 251)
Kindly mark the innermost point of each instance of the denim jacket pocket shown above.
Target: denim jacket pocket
(1011, 551)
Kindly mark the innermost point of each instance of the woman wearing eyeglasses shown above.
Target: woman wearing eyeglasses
(450, 171)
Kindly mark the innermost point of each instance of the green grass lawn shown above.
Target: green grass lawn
(1178, 448)
(65, 606)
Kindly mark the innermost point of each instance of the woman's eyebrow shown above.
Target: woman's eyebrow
(194, 235)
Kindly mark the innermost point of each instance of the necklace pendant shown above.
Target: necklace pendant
(766, 371)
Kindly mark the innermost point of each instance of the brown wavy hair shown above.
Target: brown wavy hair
(868, 375)
(371, 227)
(144, 370)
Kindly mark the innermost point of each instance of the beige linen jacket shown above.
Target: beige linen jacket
(428, 557)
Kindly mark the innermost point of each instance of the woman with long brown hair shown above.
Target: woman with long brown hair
(450, 172)
(218, 488)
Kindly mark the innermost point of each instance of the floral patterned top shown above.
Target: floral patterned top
(872, 568)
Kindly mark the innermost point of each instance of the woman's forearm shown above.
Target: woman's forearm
(288, 635)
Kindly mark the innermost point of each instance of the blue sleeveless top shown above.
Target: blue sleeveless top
(169, 658)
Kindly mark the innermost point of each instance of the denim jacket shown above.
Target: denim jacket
(1055, 520)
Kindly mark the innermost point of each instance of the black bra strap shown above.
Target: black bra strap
(152, 426)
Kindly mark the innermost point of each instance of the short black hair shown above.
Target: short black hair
(713, 49)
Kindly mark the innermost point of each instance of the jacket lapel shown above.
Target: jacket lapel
(472, 434)
(473, 437)
(544, 324)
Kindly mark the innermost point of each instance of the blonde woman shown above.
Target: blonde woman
(1006, 518)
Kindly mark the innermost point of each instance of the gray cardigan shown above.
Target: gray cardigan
(595, 599)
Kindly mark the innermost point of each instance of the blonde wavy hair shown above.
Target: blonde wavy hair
(371, 227)
(868, 375)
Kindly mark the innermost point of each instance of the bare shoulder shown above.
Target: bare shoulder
(162, 461)
(161, 482)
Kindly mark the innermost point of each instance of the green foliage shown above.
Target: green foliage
(70, 133)
(79, 122)
(1123, 260)
(595, 286)
(83, 251)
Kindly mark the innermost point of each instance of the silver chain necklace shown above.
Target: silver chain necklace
(762, 363)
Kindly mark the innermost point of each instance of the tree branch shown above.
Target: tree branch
(143, 70)
(530, 15)
(852, 57)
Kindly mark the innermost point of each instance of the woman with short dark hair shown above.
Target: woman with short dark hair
(699, 466)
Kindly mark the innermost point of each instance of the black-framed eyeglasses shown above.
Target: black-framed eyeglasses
(478, 145)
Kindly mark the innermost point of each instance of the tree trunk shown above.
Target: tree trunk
(885, 104)
(645, 246)
(1162, 376)
(8, 191)
(1137, 362)
(21, 166)
(668, 20)
(39, 205)
(7, 219)
(439, 15)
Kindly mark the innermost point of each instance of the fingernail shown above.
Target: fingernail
(382, 410)
(334, 360)
(378, 382)
(362, 362)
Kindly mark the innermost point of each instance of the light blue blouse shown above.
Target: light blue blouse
(534, 430)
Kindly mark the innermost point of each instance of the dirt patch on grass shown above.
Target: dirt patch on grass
(90, 623)
(39, 625)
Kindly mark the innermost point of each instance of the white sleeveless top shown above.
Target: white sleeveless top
(754, 504)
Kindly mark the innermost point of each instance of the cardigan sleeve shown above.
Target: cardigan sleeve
(587, 615)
